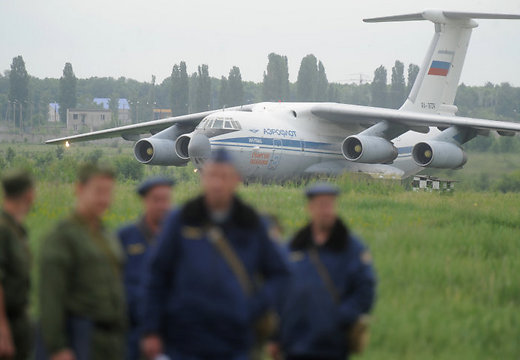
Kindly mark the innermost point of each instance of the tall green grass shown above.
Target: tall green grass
(448, 269)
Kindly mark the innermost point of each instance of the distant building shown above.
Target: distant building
(80, 120)
(54, 112)
(123, 115)
(161, 113)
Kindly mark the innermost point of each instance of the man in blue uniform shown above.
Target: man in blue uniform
(201, 298)
(332, 285)
(136, 240)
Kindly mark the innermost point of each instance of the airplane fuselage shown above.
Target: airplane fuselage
(276, 142)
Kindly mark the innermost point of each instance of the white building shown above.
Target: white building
(80, 120)
(123, 114)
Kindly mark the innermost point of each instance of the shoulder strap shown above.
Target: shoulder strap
(218, 239)
(314, 257)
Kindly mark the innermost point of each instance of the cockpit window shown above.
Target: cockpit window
(236, 125)
(227, 125)
(219, 123)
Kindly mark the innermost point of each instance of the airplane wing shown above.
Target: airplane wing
(131, 132)
(367, 116)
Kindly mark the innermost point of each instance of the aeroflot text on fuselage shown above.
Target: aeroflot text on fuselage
(280, 132)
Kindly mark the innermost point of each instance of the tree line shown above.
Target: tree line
(24, 98)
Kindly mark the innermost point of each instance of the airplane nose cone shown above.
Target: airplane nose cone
(199, 147)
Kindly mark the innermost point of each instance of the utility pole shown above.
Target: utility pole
(21, 117)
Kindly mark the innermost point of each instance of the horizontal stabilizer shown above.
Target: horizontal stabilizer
(441, 16)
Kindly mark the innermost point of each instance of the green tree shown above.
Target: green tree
(333, 93)
(203, 90)
(275, 86)
(307, 79)
(223, 93)
(467, 100)
(398, 86)
(506, 101)
(193, 91)
(322, 84)
(235, 87)
(179, 91)
(18, 89)
(378, 87)
(413, 71)
(67, 95)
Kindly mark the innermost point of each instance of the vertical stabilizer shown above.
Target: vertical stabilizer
(436, 84)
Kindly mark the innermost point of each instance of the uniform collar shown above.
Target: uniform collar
(195, 212)
(338, 239)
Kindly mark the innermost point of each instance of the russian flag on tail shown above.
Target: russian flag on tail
(440, 68)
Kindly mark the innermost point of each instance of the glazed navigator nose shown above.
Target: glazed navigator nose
(199, 147)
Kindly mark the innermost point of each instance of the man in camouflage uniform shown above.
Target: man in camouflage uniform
(15, 330)
(82, 311)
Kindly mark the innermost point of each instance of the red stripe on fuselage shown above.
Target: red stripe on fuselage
(436, 71)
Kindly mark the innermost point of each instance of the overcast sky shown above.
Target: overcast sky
(136, 39)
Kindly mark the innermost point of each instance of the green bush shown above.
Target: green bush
(508, 182)
(94, 156)
(128, 169)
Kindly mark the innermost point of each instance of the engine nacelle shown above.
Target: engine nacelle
(156, 151)
(438, 154)
(181, 146)
(368, 149)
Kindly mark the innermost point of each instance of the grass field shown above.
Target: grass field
(448, 269)
(448, 265)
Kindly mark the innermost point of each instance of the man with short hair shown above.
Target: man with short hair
(137, 240)
(332, 286)
(202, 300)
(82, 308)
(15, 329)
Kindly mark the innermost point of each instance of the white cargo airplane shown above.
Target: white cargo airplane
(280, 141)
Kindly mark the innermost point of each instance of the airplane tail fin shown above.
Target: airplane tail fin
(436, 84)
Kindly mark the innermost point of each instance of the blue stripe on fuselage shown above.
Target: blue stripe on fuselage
(294, 145)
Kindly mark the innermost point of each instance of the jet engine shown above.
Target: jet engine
(438, 154)
(368, 149)
(194, 146)
(181, 146)
(157, 151)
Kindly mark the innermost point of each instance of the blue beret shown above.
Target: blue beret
(321, 188)
(148, 184)
(221, 156)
